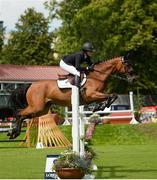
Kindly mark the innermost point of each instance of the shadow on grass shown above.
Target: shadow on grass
(118, 171)
(112, 170)
(11, 147)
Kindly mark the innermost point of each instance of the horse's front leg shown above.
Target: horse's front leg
(105, 104)
(104, 100)
(96, 96)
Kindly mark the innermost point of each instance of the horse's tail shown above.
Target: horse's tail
(17, 99)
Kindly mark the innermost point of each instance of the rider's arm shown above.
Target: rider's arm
(89, 62)
(78, 60)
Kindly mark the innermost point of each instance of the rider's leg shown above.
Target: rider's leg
(71, 70)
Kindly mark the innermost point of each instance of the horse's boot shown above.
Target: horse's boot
(103, 106)
(13, 133)
(107, 103)
(98, 107)
(111, 100)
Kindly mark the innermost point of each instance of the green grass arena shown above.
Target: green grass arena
(123, 152)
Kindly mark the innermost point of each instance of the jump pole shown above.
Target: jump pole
(77, 122)
(82, 131)
(75, 119)
(133, 121)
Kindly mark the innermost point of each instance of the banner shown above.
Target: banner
(49, 172)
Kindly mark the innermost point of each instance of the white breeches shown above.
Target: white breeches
(71, 69)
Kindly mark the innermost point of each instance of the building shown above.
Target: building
(13, 76)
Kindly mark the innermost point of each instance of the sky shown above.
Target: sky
(11, 10)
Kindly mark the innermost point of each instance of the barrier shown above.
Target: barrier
(86, 113)
(47, 133)
(7, 125)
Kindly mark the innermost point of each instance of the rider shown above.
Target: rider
(72, 63)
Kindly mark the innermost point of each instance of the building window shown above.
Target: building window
(8, 86)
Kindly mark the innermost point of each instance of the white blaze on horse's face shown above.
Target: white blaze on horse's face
(128, 70)
(126, 66)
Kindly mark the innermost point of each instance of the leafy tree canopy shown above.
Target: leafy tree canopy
(2, 31)
(115, 28)
(30, 43)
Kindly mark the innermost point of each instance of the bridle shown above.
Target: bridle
(125, 62)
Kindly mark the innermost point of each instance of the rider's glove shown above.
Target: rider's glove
(90, 68)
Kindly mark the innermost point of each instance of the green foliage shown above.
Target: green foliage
(30, 43)
(70, 159)
(60, 110)
(115, 28)
(2, 32)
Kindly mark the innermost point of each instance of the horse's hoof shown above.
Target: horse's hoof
(13, 136)
(8, 134)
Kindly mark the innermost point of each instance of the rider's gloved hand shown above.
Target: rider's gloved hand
(90, 68)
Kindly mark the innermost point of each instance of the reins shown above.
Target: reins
(115, 76)
(112, 75)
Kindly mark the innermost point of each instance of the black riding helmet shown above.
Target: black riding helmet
(88, 47)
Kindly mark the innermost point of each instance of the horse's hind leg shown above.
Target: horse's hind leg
(16, 129)
(34, 111)
(29, 113)
(36, 103)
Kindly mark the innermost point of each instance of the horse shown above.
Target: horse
(36, 99)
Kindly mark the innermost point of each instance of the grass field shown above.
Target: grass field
(123, 151)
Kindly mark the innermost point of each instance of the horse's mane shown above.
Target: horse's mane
(106, 60)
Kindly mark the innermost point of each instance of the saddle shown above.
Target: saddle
(69, 77)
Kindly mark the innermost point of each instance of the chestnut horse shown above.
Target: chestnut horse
(36, 99)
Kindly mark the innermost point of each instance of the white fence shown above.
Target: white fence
(86, 114)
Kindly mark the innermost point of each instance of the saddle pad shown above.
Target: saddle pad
(66, 84)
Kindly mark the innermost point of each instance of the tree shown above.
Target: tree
(115, 28)
(30, 43)
(2, 31)
(67, 40)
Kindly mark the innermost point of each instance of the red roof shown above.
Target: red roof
(29, 73)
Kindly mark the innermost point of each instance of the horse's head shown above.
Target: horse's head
(119, 64)
(124, 66)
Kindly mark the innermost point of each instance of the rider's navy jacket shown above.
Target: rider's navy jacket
(77, 59)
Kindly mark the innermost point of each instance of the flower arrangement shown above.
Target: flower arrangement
(94, 118)
(70, 159)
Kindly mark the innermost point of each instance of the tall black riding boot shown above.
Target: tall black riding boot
(77, 81)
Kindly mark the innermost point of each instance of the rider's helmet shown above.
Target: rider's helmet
(88, 47)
